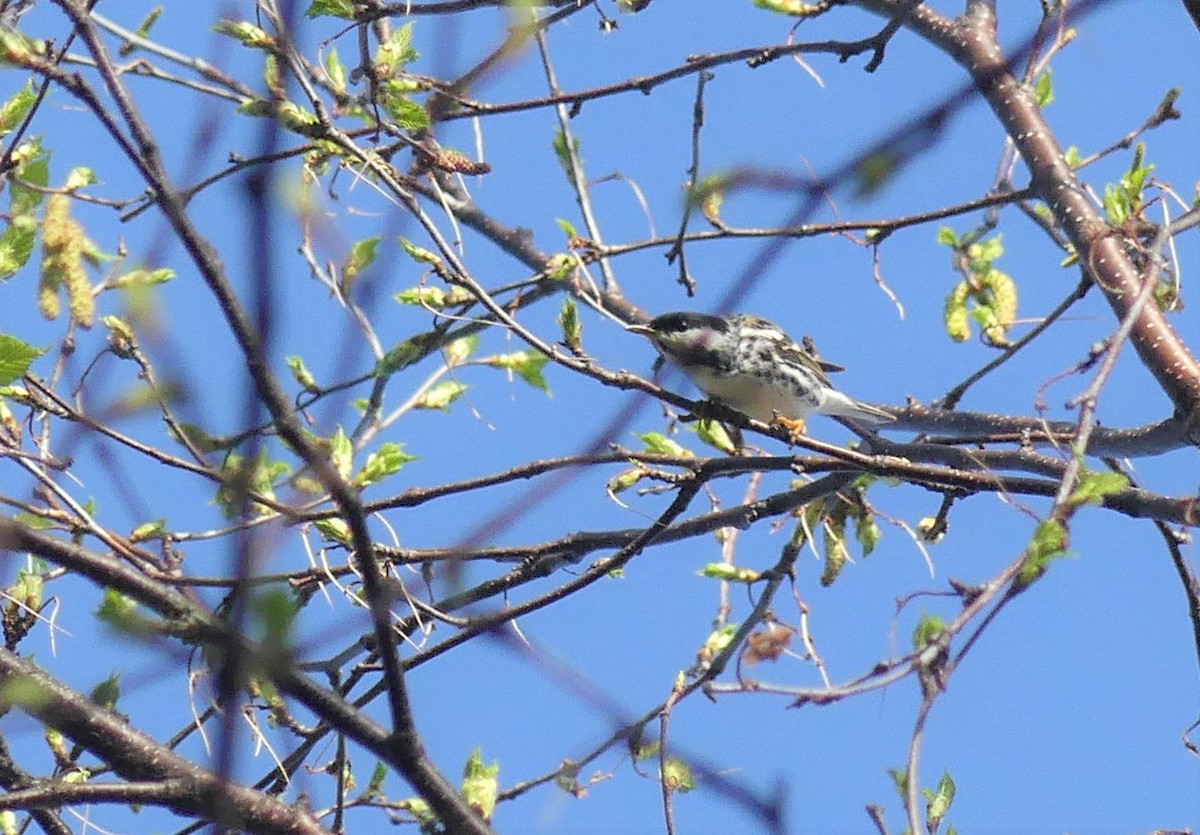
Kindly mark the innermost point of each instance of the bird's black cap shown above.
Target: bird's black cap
(687, 320)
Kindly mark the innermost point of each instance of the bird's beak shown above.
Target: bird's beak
(641, 330)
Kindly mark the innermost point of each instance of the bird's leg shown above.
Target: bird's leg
(795, 426)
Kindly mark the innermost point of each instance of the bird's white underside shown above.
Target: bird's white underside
(761, 401)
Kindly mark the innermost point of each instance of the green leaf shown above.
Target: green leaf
(481, 784)
(938, 801)
(1124, 199)
(1072, 156)
(1049, 543)
(258, 476)
(874, 172)
(106, 693)
(14, 111)
(335, 529)
(141, 277)
(420, 809)
(660, 444)
(441, 395)
(646, 749)
(1044, 89)
(116, 609)
(392, 56)
(79, 177)
(245, 32)
(625, 479)
(331, 8)
(461, 349)
(678, 776)
(984, 315)
(18, 50)
(298, 119)
(31, 520)
(388, 460)
(563, 152)
(567, 227)
(201, 439)
(714, 433)
(16, 242)
(256, 107)
(928, 630)
(15, 358)
(143, 29)
(434, 297)
(362, 255)
(402, 356)
(406, 112)
(16, 245)
(419, 253)
(302, 375)
(983, 253)
(527, 364)
(276, 609)
(335, 70)
(931, 529)
(378, 775)
(561, 265)
(271, 73)
(1116, 204)
(121, 336)
(947, 237)
(718, 640)
(791, 8)
(572, 327)
(35, 170)
(149, 530)
(341, 453)
(29, 589)
(730, 573)
(1093, 487)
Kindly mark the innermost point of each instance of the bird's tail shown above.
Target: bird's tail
(840, 405)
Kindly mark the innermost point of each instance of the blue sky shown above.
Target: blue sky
(1066, 717)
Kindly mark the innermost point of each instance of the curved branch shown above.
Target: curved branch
(1103, 250)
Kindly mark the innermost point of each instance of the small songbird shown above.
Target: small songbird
(751, 365)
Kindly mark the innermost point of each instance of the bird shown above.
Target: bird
(750, 364)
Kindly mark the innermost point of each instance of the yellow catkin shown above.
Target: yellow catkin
(958, 324)
(63, 246)
(1004, 305)
(1004, 297)
(48, 296)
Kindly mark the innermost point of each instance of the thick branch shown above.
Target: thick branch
(136, 756)
(409, 759)
(1102, 249)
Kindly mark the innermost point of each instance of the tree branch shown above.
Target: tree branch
(134, 755)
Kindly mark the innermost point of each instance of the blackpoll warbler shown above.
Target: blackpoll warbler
(751, 365)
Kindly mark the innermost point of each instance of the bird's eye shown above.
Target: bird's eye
(675, 323)
(670, 323)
